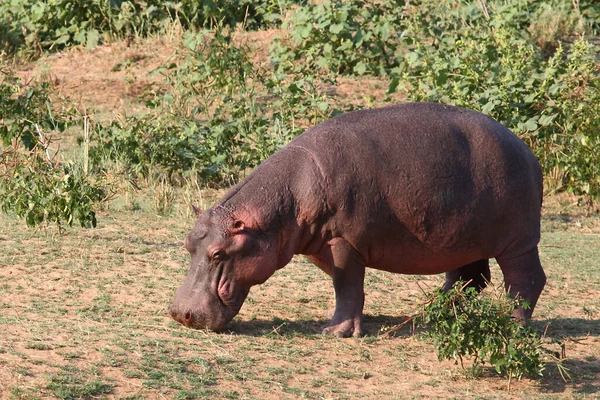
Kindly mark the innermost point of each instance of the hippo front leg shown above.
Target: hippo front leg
(347, 269)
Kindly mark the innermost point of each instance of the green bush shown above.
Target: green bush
(53, 25)
(590, 11)
(249, 111)
(342, 37)
(219, 116)
(203, 123)
(24, 110)
(35, 183)
(42, 190)
(464, 324)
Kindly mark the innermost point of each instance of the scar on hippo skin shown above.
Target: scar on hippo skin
(416, 188)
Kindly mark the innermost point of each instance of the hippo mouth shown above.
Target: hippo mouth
(230, 295)
(211, 308)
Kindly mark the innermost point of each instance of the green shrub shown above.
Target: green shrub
(35, 183)
(24, 110)
(590, 11)
(142, 143)
(204, 122)
(53, 25)
(219, 116)
(42, 190)
(249, 112)
(342, 37)
(464, 324)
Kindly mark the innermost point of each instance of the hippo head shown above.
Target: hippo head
(229, 255)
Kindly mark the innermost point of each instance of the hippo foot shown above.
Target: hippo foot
(349, 327)
(521, 316)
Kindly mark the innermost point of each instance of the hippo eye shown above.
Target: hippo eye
(217, 255)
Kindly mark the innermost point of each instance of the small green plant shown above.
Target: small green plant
(74, 384)
(464, 324)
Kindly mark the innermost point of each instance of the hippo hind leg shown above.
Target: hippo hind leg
(477, 274)
(524, 279)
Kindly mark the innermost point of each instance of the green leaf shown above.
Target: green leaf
(336, 28)
(489, 107)
(79, 37)
(93, 36)
(531, 124)
(302, 32)
(360, 68)
(63, 39)
(546, 120)
(412, 57)
(393, 86)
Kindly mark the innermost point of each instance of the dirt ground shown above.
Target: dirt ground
(83, 315)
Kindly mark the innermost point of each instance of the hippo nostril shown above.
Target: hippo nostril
(188, 317)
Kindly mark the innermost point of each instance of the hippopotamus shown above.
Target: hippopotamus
(417, 188)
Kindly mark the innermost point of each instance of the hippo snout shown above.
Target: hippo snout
(191, 318)
(201, 315)
(184, 317)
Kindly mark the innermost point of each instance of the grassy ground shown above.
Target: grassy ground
(83, 315)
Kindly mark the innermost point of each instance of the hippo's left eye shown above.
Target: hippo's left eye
(217, 255)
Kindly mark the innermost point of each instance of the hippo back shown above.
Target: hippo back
(438, 179)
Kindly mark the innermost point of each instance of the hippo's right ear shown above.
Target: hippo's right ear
(197, 210)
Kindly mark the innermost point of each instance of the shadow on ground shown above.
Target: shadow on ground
(583, 373)
(558, 328)
(373, 325)
(583, 377)
(376, 325)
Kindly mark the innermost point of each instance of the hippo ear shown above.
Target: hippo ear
(238, 226)
(197, 210)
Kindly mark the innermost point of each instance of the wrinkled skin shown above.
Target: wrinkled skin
(416, 188)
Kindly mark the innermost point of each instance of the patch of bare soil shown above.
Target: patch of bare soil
(110, 78)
